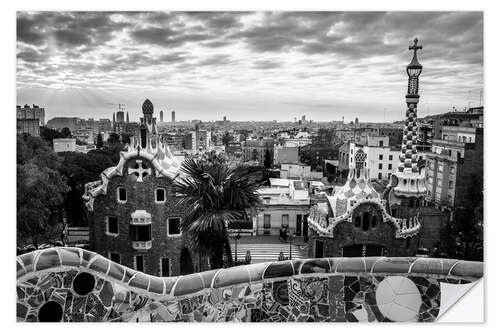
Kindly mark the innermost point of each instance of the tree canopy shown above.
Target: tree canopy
(40, 190)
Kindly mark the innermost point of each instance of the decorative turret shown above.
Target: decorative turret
(409, 181)
(148, 124)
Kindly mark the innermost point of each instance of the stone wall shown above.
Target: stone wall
(71, 284)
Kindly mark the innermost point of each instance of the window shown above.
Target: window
(390, 157)
(121, 194)
(366, 221)
(164, 267)
(357, 221)
(139, 263)
(380, 175)
(381, 143)
(160, 195)
(115, 257)
(140, 233)
(380, 166)
(390, 166)
(284, 220)
(267, 221)
(450, 184)
(174, 226)
(112, 225)
(381, 157)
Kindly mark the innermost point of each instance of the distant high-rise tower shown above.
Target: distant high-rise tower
(128, 120)
(114, 119)
(225, 119)
(161, 116)
(356, 121)
(303, 119)
(294, 119)
(120, 116)
(173, 116)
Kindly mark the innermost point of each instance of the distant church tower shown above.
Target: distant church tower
(127, 118)
(407, 188)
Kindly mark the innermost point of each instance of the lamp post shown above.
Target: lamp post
(290, 235)
(236, 238)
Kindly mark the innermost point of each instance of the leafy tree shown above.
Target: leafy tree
(114, 138)
(226, 139)
(100, 142)
(49, 134)
(79, 169)
(267, 159)
(40, 190)
(214, 194)
(126, 138)
(66, 132)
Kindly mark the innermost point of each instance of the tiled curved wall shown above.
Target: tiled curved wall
(71, 284)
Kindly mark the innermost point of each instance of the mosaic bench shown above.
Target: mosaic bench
(74, 285)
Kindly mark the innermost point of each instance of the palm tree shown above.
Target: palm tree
(214, 193)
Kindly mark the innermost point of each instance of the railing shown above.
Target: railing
(142, 245)
(71, 284)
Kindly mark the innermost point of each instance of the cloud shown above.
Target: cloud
(283, 54)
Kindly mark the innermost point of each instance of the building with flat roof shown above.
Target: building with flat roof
(451, 163)
(64, 144)
(29, 119)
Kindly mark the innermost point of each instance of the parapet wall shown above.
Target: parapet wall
(71, 284)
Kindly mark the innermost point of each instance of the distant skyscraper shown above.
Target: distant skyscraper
(128, 120)
(120, 117)
(224, 118)
(114, 119)
(356, 121)
(161, 116)
(303, 119)
(173, 116)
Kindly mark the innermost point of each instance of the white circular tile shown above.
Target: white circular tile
(398, 298)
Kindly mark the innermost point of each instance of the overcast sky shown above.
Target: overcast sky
(247, 66)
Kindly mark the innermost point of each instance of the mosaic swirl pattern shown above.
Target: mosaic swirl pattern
(70, 284)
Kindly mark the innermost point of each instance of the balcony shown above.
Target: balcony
(140, 230)
(142, 245)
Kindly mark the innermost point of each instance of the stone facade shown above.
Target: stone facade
(134, 215)
(140, 196)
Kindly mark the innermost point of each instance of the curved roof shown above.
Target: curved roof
(156, 152)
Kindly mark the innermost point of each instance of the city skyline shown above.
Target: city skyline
(247, 66)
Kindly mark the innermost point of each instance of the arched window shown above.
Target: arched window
(366, 221)
(357, 221)
(374, 221)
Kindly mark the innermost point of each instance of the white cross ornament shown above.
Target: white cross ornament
(139, 171)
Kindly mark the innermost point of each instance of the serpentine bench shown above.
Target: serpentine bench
(72, 284)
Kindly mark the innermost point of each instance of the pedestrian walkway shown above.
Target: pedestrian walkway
(268, 248)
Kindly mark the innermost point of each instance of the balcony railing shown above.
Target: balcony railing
(138, 245)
